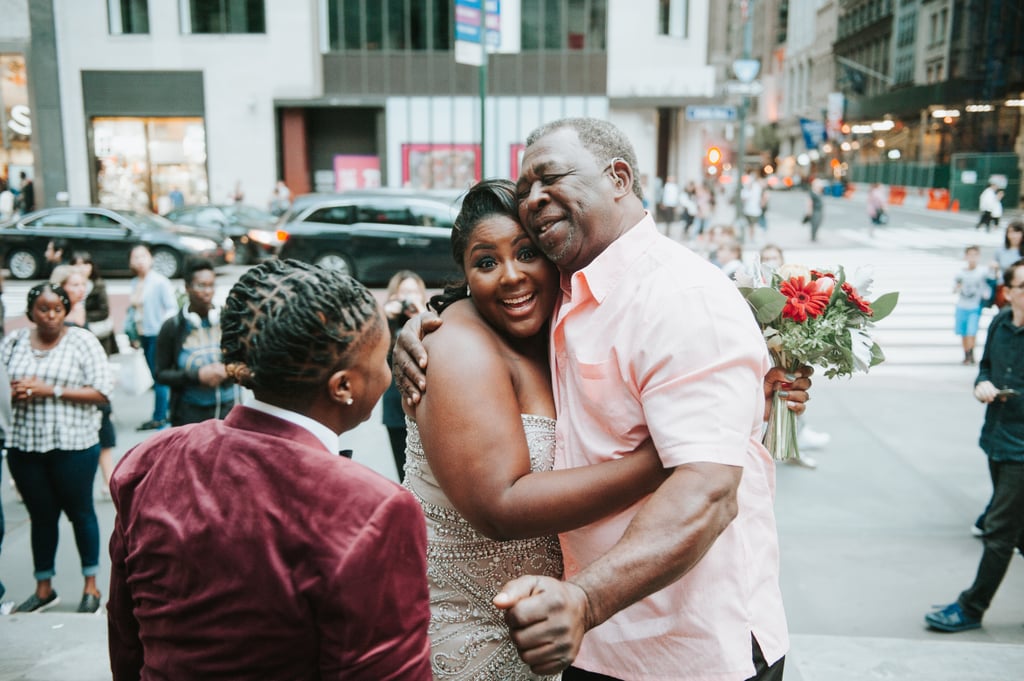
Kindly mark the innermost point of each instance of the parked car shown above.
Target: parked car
(371, 235)
(109, 235)
(251, 229)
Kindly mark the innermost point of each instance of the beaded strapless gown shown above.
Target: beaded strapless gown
(465, 569)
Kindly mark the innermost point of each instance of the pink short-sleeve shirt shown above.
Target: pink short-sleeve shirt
(652, 340)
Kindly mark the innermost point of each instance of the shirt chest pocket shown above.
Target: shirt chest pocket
(606, 397)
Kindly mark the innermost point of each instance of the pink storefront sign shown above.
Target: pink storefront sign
(356, 172)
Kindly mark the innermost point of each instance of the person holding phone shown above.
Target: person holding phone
(407, 297)
(999, 384)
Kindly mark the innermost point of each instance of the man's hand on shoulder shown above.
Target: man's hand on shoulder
(409, 358)
(546, 619)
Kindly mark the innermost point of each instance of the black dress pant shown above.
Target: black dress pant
(1004, 531)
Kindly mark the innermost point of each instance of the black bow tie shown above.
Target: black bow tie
(347, 453)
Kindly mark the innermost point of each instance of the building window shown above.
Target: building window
(673, 18)
(585, 24)
(563, 25)
(128, 16)
(542, 25)
(395, 25)
(223, 16)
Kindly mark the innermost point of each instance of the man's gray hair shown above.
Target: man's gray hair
(600, 138)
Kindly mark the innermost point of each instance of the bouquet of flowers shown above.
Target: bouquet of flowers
(816, 318)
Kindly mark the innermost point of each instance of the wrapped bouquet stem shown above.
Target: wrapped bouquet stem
(780, 432)
(816, 318)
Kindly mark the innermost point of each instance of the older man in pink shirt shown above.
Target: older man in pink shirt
(649, 340)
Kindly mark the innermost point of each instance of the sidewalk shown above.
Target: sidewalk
(870, 540)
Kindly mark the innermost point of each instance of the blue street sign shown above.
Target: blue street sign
(814, 132)
(492, 33)
(710, 113)
(469, 27)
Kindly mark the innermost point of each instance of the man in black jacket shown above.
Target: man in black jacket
(1000, 385)
(188, 357)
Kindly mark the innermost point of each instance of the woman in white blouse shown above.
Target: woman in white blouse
(59, 376)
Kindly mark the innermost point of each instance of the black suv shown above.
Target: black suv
(373, 235)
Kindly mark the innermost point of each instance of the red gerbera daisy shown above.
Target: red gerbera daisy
(861, 304)
(804, 298)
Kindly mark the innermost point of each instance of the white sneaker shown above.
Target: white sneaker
(808, 438)
(803, 462)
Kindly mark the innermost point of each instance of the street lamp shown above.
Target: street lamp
(746, 70)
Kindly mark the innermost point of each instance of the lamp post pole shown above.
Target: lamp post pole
(483, 107)
(746, 9)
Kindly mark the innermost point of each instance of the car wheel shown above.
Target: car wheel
(23, 264)
(337, 262)
(166, 262)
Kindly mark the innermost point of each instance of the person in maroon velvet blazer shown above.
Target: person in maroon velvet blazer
(247, 548)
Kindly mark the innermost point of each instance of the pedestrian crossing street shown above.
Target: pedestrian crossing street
(918, 336)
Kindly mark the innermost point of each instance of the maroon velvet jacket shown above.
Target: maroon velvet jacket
(243, 550)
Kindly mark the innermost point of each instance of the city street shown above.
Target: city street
(871, 539)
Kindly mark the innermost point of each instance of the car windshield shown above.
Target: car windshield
(147, 219)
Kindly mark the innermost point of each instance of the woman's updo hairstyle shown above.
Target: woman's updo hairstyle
(287, 326)
(485, 199)
(38, 289)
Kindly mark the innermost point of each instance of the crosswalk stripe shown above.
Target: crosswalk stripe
(923, 237)
(917, 335)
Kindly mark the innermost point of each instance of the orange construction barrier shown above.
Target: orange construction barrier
(938, 199)
(956, 206)
(897, 195)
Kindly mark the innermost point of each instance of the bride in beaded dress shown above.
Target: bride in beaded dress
(481, 446)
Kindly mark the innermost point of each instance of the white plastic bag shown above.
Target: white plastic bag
(132, 377)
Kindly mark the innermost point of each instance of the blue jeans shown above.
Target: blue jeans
(161, 392)
(55, 481)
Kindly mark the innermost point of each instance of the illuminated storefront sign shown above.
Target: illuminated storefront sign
(20, 120)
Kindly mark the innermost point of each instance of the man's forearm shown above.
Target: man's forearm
(668, 536)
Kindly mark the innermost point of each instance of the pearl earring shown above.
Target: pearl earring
(468, 292)
(348, 402)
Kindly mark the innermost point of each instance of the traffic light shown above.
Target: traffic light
(713, 160)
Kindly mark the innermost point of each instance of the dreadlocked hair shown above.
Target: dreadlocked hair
(485, 199)
(287, 326)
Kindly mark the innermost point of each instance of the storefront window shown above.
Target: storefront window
(15, 120)
(140, 160)
(440, 166)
